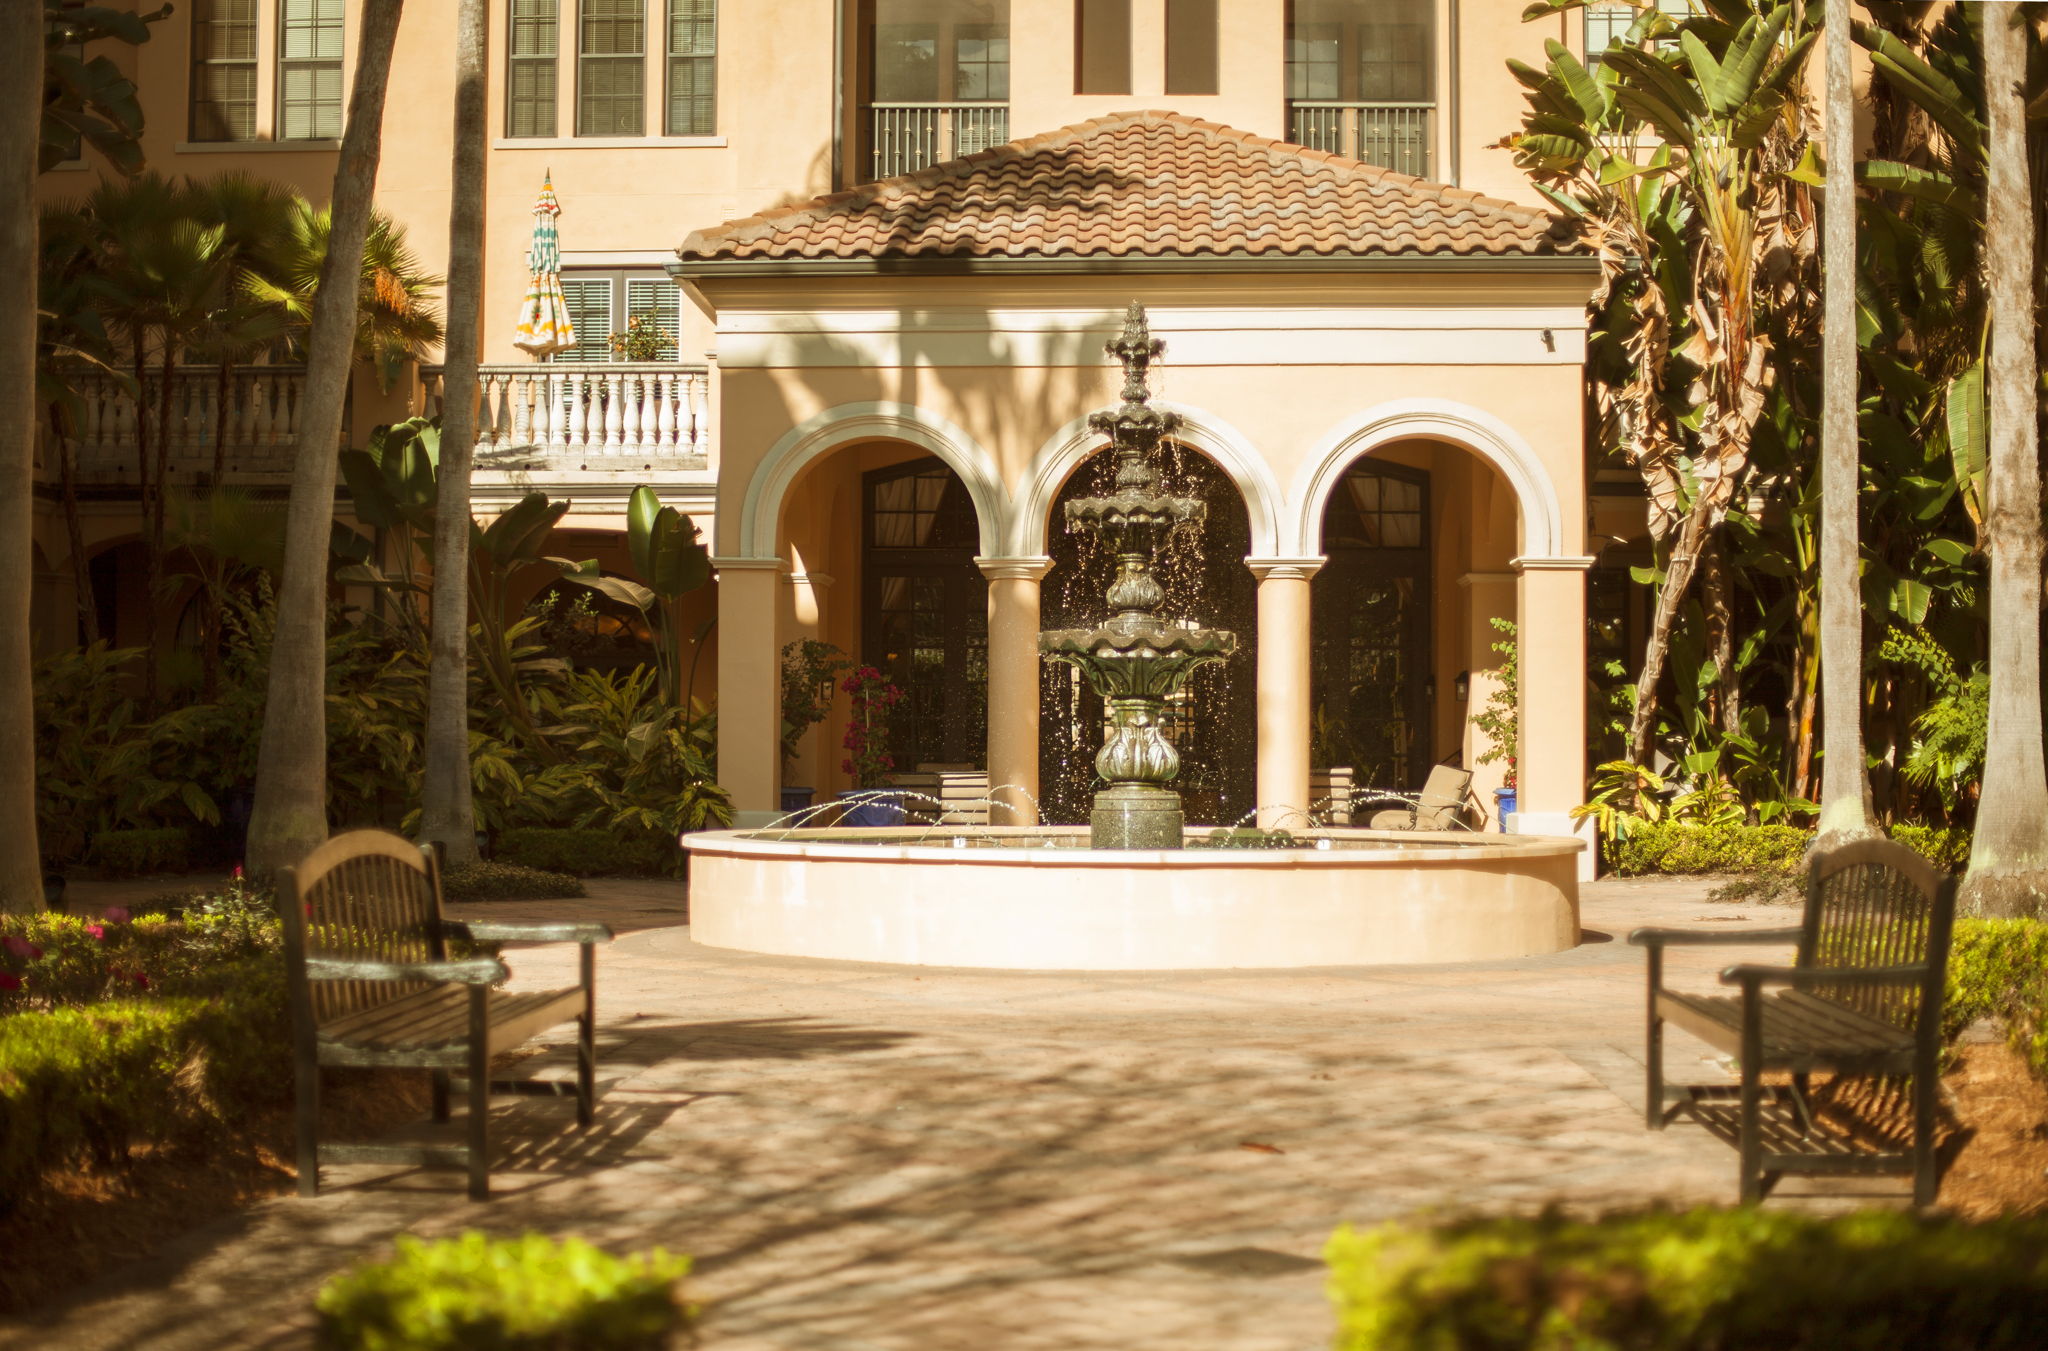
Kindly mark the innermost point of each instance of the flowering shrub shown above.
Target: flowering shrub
(867, 734)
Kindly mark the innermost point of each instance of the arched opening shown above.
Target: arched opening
(1419, 537)
(1213, 721)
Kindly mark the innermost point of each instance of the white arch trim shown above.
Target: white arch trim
(1221, 442)
(1433, 420)
(820, 434)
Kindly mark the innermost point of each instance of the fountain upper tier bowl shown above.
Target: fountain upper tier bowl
(1030, 898)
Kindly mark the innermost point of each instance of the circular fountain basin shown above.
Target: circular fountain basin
(1030, 898)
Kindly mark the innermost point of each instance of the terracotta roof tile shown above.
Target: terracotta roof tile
(1148, 184)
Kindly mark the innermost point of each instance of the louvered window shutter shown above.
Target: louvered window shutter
(590, 310)
(658, 302)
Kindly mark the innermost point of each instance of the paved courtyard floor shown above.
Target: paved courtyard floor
(870, 1158)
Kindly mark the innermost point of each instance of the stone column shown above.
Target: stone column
(1550, 653)
(1013, 668)
(749, 688)
(1284, 705)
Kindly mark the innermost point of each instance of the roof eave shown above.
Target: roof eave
(942, 266)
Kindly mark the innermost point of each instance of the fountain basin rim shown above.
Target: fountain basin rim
(852, 844)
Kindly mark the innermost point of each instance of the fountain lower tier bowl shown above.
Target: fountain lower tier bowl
(1029, 898)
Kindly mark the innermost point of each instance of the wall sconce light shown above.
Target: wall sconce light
(1429, 688)
(1461, 687)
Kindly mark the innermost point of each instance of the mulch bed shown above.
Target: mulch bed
(2003, 1165)
(87, 1221)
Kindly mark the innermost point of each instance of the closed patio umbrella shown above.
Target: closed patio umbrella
(544, 327)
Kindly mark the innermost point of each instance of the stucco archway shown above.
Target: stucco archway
(1064, 452)
(760, 509)
(1542, 513)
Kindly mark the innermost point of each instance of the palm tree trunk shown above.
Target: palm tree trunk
(74, 531)
(21, 76)
(447, 815)
(153, 555)
(290, 816)
(1684, 561)
(1845, 788)
(2009, 853)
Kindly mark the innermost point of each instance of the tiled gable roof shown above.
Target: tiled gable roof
(1147, 184)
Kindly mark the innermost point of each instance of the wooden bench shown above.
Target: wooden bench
(370, 983)
(1862, 997)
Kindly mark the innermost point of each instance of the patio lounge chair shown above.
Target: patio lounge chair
(1439, 806)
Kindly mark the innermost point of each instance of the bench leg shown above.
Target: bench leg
(479, 1094)
(308, 1126)
(1751, 1137)
(440, 1095)
(1653, 1050)
(1926, 1171)
(586, 1042)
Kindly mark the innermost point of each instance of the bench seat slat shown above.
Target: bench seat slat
(439, 1018)
(1796, 1035)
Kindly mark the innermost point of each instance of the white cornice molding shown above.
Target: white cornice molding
(1553, 563)
(1029, 569)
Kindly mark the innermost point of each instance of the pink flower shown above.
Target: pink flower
(141, 980)
(96, 930)
(238, 872)
(21, 947)
(116, 915)
(9, 982)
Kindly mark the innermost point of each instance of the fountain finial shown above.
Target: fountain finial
(1135, 428)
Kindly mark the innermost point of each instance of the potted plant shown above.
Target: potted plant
(640, 341)
(868, 761)
(810, 669)
(1500, 722)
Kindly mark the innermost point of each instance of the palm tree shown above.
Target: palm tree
(290, 816)
(1844, 785)
(253, 215)
(395, 319)
(2008, 872)
(21, 82)
(446, 814)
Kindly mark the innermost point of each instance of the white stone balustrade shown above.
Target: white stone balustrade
(601, 414)
(260, 431)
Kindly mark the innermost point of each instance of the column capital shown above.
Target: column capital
(1560, 563)
(1286, 569)
(1472, 579)
(1026, 569)
(817, 581)
(746, 564)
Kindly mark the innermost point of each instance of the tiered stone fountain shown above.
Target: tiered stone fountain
(1136, 660)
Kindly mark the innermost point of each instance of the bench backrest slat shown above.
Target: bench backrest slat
(366, 894)
(1875, 903)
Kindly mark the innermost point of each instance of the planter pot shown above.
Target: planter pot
(871, 807)
(796, 799)
(1503, 804)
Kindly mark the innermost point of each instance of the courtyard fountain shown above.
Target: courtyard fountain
(1135, 660)
(1133, 890)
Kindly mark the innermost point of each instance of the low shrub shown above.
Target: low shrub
(520, 1294)
(507, 882)
(1998, 968)
(1946, 847)
(586, 852)
(1664, 847)
(1733, 1280)
(130, 853)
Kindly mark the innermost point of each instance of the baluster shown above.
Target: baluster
(579, 414)
(650, 413)
(665, 410)
(700, 413)
(263, 422)
(614, 410)
(291, 398)
(550, 418)
(520, 391)
(91, 410)
(629, 408)
(493, 418)
(245, 410)
(127, 413)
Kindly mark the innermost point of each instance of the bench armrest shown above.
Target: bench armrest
(1760, 975)
(474, 971)
(1659, 938)
(539, 931)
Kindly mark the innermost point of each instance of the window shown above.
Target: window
(1608, 23)
(692, 67)
(603, 303)
(611, 68)
(309, 70)
(530, 83)
(934, 81)
(1191, 47)
(981, 62)
(223, 94)
(1102, 46)
(1395, 62)
(1361, 80)
(1312, 61)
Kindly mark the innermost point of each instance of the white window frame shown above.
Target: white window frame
(658, 64)
(620, 311)
(286, 63)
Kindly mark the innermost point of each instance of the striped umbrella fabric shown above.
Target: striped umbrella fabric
(544, 327)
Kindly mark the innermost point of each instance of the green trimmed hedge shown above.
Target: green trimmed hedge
(586, 852)
(520, 1294)
(507, 882)
(1669, 847)
(130, 853)
(1998, 968)
(1730, 1280)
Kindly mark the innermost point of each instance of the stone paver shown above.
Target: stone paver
(871, 1158)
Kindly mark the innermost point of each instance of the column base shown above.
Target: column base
(1136, 816)
(1561, 823)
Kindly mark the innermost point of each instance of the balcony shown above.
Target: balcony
(1398, 136)
(906, 137)
(261, 428)
(589, 416)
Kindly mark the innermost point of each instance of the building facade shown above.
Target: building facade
(885, 241)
